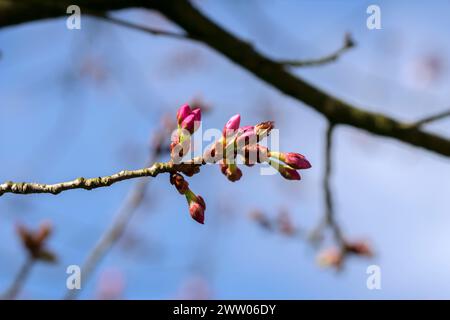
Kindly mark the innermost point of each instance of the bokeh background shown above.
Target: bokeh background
(86, 103)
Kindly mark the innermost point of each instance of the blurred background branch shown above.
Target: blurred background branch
(347, 45)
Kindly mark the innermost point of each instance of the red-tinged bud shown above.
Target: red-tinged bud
(223, 168)
(182, 113)
(197, 112)
(232, 125)
(180, 184)
(188, 123)
(289, 173)
(263, 129)
(197, 212)
(297, 161)
(361, 248)
(331, 257)
(292, 159)
(286, 171)
(197, 206)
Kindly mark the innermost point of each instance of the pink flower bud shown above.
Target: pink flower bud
(295, 160)
(197, 209)
(359, 248)
(232, 125)
(188, 123)
(289, 173)
(197, 212)
(197, 112)
(183, 112)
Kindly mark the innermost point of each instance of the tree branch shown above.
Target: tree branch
(330, 218)
(92, 183)
(348, 44)
(202, 28)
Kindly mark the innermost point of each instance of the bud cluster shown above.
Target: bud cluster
(235, 141)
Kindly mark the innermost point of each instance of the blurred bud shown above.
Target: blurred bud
(261, 219)
(361, 248)
(285, 224)
(331, 257)
(34, 241)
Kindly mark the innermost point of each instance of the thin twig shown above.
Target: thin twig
(432, 118)
(330, 218)
(105, 181)
(348, 44)
(153, 31)
(16, 286)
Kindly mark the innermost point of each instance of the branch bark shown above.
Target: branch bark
(93, 183)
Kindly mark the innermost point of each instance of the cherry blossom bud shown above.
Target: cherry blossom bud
(189, 123)
(197, 206)
(232, 125)
(294, 160)
(183, 112)
(286, 171)
(180, 184)
(289, 173)
(263, 129)
(197, 112)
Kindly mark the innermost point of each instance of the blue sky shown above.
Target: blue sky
(85, 102)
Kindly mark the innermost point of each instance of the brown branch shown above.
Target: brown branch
(347, 45)
(330, 217)
(92, 183)
(202, 28)
(337, 111)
